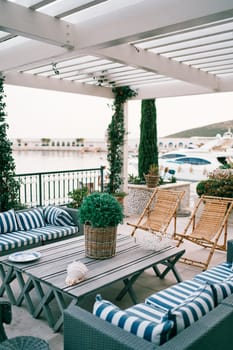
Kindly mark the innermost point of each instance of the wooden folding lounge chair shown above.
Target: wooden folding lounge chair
(206, 226)
(159, 211)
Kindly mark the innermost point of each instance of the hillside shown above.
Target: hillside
(210, 130)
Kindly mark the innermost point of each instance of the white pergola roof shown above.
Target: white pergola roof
(160, 48)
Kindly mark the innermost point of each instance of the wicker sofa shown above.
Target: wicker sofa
(24, 229)
(209, 326)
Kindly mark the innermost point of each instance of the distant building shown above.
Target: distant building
(100, 145)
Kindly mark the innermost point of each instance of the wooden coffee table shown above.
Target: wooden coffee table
(44, 279)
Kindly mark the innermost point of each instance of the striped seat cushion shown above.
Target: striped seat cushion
(173, 296)
(51, 232)
(157, 333)
(30, 219)
(8, 221)
(222, 290)
(57, 216)
(192, 309)
(216, 274)
(19, 239)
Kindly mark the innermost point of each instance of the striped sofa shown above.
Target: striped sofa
(20, 230)
(193, 314)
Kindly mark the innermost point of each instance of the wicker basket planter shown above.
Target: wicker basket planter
(152, 180)
(100, 242)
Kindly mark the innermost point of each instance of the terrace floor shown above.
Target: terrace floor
(24, 324)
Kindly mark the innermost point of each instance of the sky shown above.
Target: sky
(36, 113)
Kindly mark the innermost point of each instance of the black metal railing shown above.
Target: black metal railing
(52, 187)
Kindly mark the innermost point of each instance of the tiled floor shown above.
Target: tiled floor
(24, 324)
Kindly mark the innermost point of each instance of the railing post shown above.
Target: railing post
(49, 187)
(40, 189)
(102, 178)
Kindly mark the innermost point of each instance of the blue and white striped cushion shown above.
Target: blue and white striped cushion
(57, 216)
(18, 239)
(157, 333)
(222, 290)
(192, 309)
(52, 232)
(148, 312)
(30, 219)
(216, 274)
(8, 221)
(173, 296)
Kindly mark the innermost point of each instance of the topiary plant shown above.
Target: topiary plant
(100, 210)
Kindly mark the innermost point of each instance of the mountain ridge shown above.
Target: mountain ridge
(210, 130)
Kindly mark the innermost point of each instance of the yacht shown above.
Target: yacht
(194, 164)
(190, 165)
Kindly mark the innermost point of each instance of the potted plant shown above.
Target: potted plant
(100, 213)
(77, 196)
(152, 178)
(120, 196)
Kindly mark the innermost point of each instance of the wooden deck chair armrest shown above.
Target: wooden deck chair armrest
(138, 226)
(180, 234)
(193, 238)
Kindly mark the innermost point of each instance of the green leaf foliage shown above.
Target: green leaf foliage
(148, 147)
(77, 196)
(116, 134)
(9, 186)
(218, 188)
(100, 210)
(219, 184)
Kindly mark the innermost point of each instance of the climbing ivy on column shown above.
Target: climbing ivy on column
(116, 133)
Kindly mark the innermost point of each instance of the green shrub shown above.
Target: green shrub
(100, 210)
(219, 184)
(77, 197)
(136, 180)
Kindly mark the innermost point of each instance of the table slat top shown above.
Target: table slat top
(51, 268)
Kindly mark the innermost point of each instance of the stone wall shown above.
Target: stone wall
(138, 196)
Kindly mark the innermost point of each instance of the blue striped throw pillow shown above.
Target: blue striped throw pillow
(57, 216)
(30, 219)
(157, 333)
(192, 309)
(8, 221)
(148, 312)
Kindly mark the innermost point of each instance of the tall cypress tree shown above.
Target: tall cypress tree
(148, 147)
(9, 187)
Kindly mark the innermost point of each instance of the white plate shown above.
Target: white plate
(24, 256)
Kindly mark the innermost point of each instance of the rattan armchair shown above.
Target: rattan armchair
(207, 227)
(20, 342)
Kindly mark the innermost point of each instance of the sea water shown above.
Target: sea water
(45, 161)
